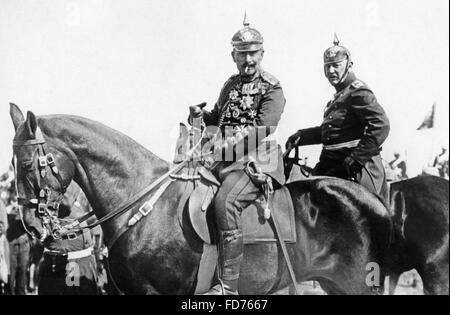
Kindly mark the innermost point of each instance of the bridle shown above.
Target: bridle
(45, 209)
(42, 205)
(72, 230)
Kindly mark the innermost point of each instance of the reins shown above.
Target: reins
(72, 230)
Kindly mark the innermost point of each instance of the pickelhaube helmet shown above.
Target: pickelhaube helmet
(247, 39)
(336, 53)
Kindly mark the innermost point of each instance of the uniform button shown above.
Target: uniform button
(329, 126)
(331, 117)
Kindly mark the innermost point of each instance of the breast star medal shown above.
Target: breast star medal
(247, 102)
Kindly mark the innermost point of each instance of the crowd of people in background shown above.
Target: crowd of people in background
(396, 169)
(16, 243)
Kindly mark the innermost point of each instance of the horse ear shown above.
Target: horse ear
(31, 124)
(16, 115)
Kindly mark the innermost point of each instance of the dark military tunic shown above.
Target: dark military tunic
(355, 125)
(255, 105)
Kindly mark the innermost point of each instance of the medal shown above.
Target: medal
(233, 95)
(246, 102)
(248, 88)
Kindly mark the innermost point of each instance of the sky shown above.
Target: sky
(137, 65)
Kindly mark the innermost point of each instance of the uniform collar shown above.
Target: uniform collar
(348, 80)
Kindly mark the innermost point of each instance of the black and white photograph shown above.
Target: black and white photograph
(248, 148)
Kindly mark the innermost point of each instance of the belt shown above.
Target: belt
(349, 144)
(72, 255)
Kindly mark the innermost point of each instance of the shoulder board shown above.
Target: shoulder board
(266, 76)
(357, 84)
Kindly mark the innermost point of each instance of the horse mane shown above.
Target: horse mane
(76, 129)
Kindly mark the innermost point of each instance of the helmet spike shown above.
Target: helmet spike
(336, 40)
(247, 38)
(246, 23)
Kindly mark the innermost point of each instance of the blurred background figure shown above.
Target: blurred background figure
(16, 236)
(4, 251)
(398, 166)
(441, 163)
(19, 248)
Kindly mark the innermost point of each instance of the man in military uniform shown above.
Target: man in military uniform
(353, 129)
(250, 105)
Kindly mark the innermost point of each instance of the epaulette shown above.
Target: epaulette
(266, 76)
(357, 84)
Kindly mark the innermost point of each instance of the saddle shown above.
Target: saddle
(197, 202)
(256, 228)
(195, 215)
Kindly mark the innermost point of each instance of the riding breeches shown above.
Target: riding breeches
(236, 193)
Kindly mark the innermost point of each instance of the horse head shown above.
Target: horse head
(42, 175)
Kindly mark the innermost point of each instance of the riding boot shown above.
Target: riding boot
(231, 247)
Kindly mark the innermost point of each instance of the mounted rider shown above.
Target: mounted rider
(243, 119)
(353, 129)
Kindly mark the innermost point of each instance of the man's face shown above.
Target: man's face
(2, 228)
(335, 72)
(248, 62)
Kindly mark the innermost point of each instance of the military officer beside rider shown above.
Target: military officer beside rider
(250, 104)
(353, 130)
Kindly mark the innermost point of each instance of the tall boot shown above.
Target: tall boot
(231, 248)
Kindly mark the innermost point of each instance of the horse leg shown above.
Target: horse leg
(435, 279)
(392, 280)
(341, 272)
(330, 287)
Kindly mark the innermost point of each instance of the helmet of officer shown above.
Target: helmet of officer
(247, 38)
(336, 53)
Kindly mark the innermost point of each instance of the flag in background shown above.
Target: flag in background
(428, 122)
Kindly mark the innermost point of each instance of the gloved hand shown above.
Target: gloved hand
(196, 111)
(352, 167)
(293, 140)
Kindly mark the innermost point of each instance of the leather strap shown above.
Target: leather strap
(284, 250)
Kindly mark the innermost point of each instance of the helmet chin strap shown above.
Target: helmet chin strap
(344, 76)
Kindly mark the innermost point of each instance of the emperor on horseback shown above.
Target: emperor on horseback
(246, 114)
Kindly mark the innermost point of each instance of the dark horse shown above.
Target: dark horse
(421, 218)
(341, 227)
